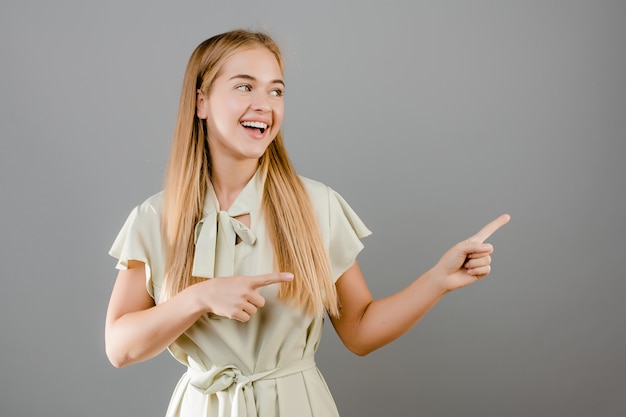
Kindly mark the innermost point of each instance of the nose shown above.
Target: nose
(260, 102)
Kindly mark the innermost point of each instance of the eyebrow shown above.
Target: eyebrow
(251, 78)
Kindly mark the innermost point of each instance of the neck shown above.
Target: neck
(228, 179)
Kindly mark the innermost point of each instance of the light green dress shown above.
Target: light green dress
(264, 367)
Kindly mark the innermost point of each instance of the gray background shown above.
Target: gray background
(429, 117)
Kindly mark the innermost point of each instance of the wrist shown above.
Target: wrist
(197, 298)
(436, 280)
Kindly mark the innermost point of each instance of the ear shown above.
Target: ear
(201, 105)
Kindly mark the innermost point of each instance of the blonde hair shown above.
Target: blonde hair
(291, 223)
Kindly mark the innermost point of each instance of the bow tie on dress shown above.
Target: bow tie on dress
(216, 234)
(235, 390)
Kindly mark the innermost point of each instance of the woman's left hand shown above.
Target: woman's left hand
(470, 260)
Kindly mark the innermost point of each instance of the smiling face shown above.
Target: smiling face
(244, 108)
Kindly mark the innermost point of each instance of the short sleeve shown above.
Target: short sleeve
(345, 233)
(140, 240)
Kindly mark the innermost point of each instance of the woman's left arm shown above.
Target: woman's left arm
(366, 324)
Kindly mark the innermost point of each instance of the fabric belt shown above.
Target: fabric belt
(231, 386)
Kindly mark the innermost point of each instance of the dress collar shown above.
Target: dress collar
(216, 233)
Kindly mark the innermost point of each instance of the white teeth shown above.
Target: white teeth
(259, 125)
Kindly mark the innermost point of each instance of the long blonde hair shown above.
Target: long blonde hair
(291, 223)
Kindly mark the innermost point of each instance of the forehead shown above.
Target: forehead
(258, 62)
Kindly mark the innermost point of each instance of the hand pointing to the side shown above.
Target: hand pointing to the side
(469, 260)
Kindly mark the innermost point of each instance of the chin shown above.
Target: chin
(258, 151)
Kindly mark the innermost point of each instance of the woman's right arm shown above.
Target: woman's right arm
(136, 329)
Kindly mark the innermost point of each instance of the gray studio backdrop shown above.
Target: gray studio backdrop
(429, 117)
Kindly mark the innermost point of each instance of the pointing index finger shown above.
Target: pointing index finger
(490, 228)
(268, 279)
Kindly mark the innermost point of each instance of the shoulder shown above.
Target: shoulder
(320, 198)
(150, 208)
(147, 214)
(152, 204)
(332, 209)
(317, 191)
(140, 236)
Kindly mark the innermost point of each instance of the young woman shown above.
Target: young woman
(233, 266)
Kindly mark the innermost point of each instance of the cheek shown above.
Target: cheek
(226, 113)
(279, 113)
(232, 107)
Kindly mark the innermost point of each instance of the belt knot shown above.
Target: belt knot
(233, 387)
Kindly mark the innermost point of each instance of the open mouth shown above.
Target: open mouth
(259, 126)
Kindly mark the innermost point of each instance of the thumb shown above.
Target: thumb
(468, 247)
(273, 278)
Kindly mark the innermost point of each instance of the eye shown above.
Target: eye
(243, 87)
(277, 92)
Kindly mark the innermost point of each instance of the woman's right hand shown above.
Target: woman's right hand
(237, 297)
(136, 329)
